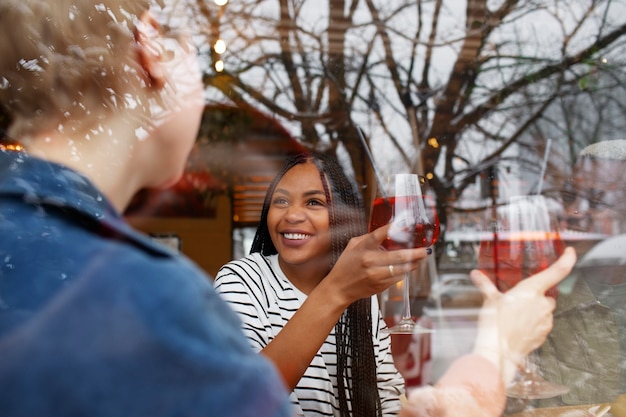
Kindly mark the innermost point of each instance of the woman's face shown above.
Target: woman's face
(298, 219)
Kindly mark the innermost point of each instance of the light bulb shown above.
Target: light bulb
(219, 65)
(220, 46)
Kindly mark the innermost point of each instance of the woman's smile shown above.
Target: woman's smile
(295, 236)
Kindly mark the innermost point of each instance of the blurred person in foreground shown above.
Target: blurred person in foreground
(306, 296)
(95, 318)
(587, 348)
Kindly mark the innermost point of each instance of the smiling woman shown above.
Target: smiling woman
(307, 297)
(299, 226)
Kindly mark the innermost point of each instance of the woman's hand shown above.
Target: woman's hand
(361, 271)
(365, 268)
(513, 324)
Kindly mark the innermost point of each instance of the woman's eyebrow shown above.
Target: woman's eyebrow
(305, 194)
(313, 192)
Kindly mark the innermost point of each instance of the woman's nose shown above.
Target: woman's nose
(295, 213)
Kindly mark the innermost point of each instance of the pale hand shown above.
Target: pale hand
(514, 324)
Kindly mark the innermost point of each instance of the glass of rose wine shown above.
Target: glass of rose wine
(402, 201)
(525, 240)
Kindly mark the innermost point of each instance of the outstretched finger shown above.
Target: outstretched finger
(551, 276)
(484, 284)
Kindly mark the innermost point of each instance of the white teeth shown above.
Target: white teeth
(295, 236)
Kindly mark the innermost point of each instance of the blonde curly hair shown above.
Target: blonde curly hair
(64, 65)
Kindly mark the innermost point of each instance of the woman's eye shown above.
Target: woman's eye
(316, 203)
(279, 201)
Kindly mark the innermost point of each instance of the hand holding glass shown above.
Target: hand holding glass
(402, 201)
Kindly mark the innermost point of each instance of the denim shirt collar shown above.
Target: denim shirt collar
(44, 183)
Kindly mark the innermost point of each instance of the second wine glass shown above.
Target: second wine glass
(403, 202)
(525, 240)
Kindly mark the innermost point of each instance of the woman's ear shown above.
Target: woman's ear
(149, 50)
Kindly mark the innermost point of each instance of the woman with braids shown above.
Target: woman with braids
(314, 317)
(306, 298)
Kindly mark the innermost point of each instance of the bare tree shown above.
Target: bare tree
(445, 88)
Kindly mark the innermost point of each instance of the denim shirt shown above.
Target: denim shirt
(98, 320)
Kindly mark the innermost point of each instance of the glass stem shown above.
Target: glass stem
(406, 302)
(529, 366)
(526, 368)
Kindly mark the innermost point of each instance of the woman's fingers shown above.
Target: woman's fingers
(401, 260)
(393, 271)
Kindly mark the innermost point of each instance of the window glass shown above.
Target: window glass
(489, 100)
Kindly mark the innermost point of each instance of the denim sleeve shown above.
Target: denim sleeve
(136, 341)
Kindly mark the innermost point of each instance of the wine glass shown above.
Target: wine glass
(525, 240)
(402, 201)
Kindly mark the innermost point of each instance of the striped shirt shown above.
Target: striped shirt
(265, 300)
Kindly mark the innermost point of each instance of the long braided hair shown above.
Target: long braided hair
(356, 365)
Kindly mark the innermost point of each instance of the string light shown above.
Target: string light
(14, 147)
(220, 46)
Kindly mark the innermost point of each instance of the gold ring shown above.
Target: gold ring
(390, 270)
